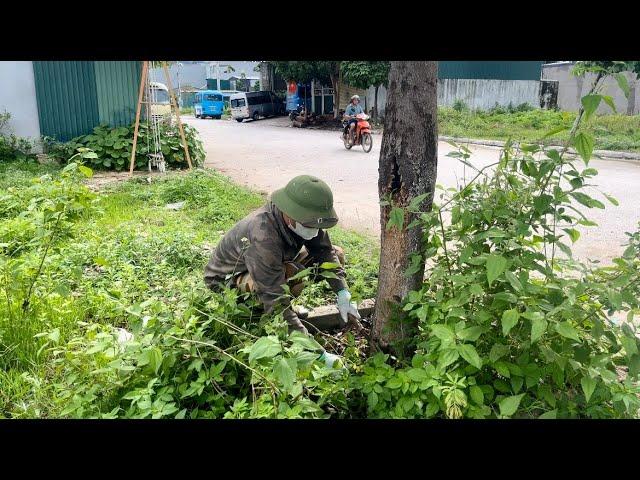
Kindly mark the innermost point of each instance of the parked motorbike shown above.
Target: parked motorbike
(362, 134)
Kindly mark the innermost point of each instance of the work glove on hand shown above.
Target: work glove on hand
(346, 307)
(330, 360)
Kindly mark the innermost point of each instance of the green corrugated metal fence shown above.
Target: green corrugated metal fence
(66, 97)
(75, 97)
(499, 70)
(117, 85)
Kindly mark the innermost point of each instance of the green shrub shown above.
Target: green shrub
(11, 146)
(113, 146)
(506, 327)
(460, 106)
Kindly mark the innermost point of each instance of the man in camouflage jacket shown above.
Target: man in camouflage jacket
(267, 247)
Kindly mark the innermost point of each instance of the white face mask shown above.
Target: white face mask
(305, 232)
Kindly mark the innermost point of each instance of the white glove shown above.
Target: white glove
(346, 307)
(330, 359)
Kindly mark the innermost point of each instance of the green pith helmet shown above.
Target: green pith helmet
(307, 200)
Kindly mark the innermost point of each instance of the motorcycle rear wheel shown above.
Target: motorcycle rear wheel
(367, 142)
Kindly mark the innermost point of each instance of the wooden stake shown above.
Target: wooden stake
(177, 111)
(143, 79)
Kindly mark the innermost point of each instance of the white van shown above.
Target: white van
(255, 105)
(160, 103)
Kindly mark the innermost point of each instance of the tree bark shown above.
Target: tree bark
(407, 168)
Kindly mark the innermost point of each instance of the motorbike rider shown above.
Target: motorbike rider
(350, 113)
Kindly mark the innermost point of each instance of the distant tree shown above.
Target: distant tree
(305, 72)
(361, 74)
(256, 87)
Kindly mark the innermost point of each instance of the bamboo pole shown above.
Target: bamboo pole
(143, 79)
(177, 112)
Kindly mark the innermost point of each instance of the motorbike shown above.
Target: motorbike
(362, 134)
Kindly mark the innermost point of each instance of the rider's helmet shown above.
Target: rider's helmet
(355, 97)
(307, 200)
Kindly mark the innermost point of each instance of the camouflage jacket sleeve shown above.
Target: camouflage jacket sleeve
(321, 249)
(264, 262)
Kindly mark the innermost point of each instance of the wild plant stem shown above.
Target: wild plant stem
(27, 300)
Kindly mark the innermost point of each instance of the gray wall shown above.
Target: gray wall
(571, 89)
(18, 97)
(476, 93)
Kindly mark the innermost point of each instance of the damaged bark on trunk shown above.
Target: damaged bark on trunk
(407, 169)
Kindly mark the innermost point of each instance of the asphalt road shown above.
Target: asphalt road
(266, 154)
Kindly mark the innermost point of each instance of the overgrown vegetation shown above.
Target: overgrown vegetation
(103, 312)
(113, 145)
(522, 124)
(11, 146)
(76, 266)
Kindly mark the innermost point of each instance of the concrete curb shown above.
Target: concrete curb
(605, 154)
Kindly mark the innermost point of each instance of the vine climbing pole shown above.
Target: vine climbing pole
(143, 82)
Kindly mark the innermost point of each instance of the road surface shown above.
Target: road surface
(266, 154)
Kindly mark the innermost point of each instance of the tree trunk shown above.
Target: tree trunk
(407, 168)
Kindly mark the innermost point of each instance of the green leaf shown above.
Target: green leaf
(554, 131)
(583, 144)
(475, 392)
(417, 374)
(443, 332)
(394, 382)
(396, 218)
(86, 171)
(264, 347)
(469, 353)
(550, 415)
(509, 320)
(509, 405)
(502, 368)
(588, 385)
(513, 280)
(629, 344)
(447, 357)
(586, 200)
(623, 83)
(495, 265)
(471, 333)
(305, 341)
(567, 330)
(283, 372)
(498, 351)
(590, 104)
(328, 266)
(416, 201)
(612, 200)
(573, 234)
(609, 101)
(634, 366)
(538, 327)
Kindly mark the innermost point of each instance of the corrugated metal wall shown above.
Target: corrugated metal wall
(67, 100)
(497, 70)
(117, 85)
(74, 97)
